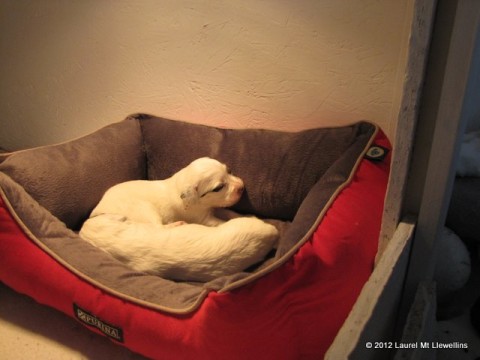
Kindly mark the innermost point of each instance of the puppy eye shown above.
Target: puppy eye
(218, 188)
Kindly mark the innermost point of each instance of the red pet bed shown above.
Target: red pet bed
(324, 189)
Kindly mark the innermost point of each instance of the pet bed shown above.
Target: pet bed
(324, 188)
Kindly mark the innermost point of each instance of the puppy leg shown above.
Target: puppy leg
(212, 221)
(219, 217)
(175, 224)
(225, 214)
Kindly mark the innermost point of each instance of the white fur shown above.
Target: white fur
(453, 266)
(187, 196)
(168, 227)
(188, 252)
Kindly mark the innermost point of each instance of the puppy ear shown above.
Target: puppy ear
(189, 196)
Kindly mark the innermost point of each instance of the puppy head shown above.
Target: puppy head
(208, 183)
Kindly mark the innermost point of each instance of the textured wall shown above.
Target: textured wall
(69, 67)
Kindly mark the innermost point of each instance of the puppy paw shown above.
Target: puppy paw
(254, 225)
(175, 224)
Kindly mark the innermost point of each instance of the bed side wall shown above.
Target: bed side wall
(69, 179)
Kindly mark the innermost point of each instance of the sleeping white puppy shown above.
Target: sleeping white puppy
(168, 227)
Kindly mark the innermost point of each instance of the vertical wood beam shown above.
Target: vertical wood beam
(439, 135)
(419, 43)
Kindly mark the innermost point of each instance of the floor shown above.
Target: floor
(29, 330)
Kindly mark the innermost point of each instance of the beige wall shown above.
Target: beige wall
(69, 67)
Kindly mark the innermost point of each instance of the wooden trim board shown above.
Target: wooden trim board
(418, 47)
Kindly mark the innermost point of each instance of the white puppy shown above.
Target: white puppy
(168, 227)
(188, 196)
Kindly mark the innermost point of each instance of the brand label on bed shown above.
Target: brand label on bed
(85, 317)
(376, 153)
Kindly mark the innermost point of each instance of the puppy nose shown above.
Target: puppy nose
(240, 189)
